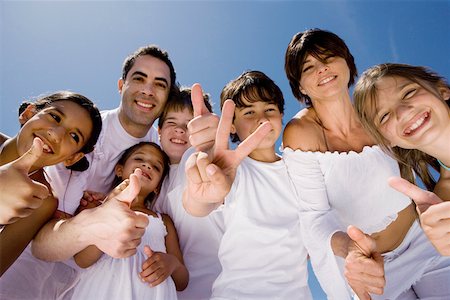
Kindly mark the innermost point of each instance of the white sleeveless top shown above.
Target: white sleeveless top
(112, 278)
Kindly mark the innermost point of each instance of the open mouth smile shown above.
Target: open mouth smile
(417, 124)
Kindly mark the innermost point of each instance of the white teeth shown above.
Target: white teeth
(47, 148)
(416, 124)
(326, 80)
(177, 141)
(146, 105)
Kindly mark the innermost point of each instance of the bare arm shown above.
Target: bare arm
(113, 227)
(15, 237)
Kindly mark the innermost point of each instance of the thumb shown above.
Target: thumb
(148, 251)
(198, 103)
(132, 190)
(422, 198)
(29, 158)
(364, 242)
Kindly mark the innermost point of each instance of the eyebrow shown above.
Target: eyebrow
(146, 76)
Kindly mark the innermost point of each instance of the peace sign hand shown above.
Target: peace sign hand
(209, 179)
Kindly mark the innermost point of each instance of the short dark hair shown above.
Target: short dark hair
(44, 101)
(157, 52)
(318, 43)
(252, 86)
(181, 101)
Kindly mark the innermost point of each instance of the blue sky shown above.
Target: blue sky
(47, 46)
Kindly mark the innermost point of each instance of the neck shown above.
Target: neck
(337, 114)
(133, 129)
(440, 148)
(264, 155)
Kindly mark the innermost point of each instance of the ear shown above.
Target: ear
(445, 93)
(233, 129)
(118, 170)
(27, 114)
(120, 85)
(73, 159)
(302, 90)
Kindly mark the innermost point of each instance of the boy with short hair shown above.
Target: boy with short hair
(199, 237)
(261, 252)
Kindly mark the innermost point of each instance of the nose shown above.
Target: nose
(55, 134)
(322, 67)
(401, 110)
(147, 89)
(180, 129)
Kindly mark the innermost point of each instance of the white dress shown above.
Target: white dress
(341, 189)
(262, 252)
(199, 236)
(111, 278)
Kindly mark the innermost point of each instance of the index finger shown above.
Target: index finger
(253, 140)
(224, 127)
(198, 103)
(422, 198)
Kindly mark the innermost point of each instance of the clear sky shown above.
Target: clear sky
(47, 46)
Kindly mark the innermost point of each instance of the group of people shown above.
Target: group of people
(104, 205)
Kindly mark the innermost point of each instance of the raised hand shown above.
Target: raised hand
(20, 195)
(364, 267)
(157, 267)
(434, 213)
(209, 179)
(202, 128)
(113, 227)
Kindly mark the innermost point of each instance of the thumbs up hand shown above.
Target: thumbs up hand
(113, 227)
(434, 214)
(364, 267)
(202, 128)
(20, 195)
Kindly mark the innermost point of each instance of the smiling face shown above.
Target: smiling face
(150, 161)
(248, 118)
(173, 134)
(144, 94)
(64, 127)
(325, 79)
(407, 114)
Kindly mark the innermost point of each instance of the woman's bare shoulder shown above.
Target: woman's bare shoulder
(303, 132)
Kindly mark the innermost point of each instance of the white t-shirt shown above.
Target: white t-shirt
(262, 252)
(199, 237)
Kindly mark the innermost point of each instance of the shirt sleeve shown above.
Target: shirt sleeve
(318, 221)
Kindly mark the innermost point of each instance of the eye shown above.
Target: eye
(156, 168)
(249, 113)
(137, 158)
(161, 84)
(75, 137)
(329, 58)
(306, 69)
(409, 93)
(138, 79)
(55, 116)
(383, 118)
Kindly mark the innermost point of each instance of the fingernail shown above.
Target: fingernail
(210, 170)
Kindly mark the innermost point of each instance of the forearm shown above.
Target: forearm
(88, 256)
(60, 240)
(180, 276)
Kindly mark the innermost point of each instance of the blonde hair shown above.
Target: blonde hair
(365, 98)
